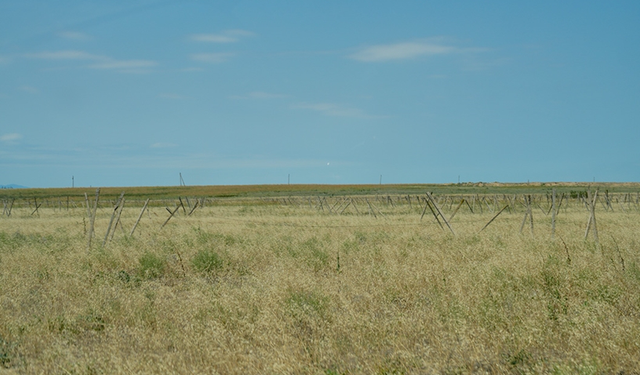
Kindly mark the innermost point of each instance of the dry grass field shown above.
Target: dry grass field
(288, 288)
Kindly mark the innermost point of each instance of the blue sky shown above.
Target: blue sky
(130, 93)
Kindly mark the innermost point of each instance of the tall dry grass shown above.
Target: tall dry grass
(290, 290)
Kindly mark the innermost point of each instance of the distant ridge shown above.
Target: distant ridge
(13, 186)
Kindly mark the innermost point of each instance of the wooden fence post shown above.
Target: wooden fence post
(139, 217)
(553, 213)
(37, 206)
(93, 219)
(430, 197)
(456, 210)
(493, 218)
(86, 201)
(10, 207)
(115, 226)
(528, 213)
(115, 210)
(592, 216)
(353, 203)
(171, 215)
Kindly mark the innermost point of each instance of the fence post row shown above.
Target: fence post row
(339, 205)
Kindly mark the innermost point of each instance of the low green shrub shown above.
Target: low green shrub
(151, 265)
(207, 261)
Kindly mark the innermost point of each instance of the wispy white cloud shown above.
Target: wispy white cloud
(191, 69)
(163, 156)
(213, 38)
(74, 35)
(10, 137)
(259, 95)
(239, 32)
(29, 89)
(124, 64)
(163, 145)
(66, 55)
(99, 61)
(217, 57)
(202, 162)
(331, 109)
(226, 36)
(402, 51)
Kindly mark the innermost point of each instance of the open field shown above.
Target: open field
(266, 283)
(248, 191)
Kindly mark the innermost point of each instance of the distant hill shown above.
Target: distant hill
(12, 186)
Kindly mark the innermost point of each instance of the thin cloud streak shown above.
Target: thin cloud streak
(164, 156)
(100, 62)
(401, 51)
(227, 36)
(74, 35)
(191, 69)
(29, 89)
(259, 95)
(215, 58)
(163, 145)
(331, 109)
(239, 32)
(213, 38)
(10, 137)
(66, 55)
(124, 64)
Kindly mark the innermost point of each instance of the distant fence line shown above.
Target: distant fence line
(441, 208)
(473, 203)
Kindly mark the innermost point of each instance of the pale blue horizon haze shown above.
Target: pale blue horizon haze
(133, 93)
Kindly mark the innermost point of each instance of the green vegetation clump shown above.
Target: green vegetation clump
(151, 265)
(207, 261)
(308, 303)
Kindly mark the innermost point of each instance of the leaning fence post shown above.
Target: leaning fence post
(35, 200)
(10, 207)
(440, 213)
(139, 217)
(194, 208)
(184, 210)
(171, 215)
(529, 213)
(113, 215)
(86, 201)
(93, 219)
(492, 219)
(115, 226)
(457, 208)
(353, 203)
(553, 213)
(371, 208)
(592, 216)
